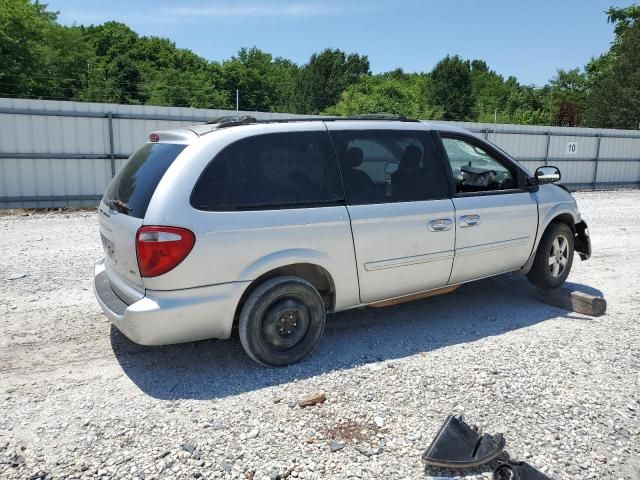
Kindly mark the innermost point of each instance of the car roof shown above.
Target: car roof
(191, 133)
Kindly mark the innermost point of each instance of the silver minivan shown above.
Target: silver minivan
(268, 225)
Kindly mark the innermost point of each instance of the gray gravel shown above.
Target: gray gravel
(78, 400)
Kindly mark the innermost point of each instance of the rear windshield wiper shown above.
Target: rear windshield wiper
(120, 206)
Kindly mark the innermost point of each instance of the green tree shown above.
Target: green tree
(247, 72)
(282, 75)
(528, 106)
(112, 63)
(128, 68)
(114, 72)
(451, 89)
(40, 58)
(490, 92)
(264, 83)
(568, 90)
(392, 93)
(321, 81)
(613, 79)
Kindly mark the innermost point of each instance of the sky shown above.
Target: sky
(529, 40)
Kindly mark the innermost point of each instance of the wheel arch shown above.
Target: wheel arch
(562, 214)
(566, 218)
(317, 275)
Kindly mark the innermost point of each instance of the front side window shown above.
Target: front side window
(475, 170)
(387, 166)
(279, 170)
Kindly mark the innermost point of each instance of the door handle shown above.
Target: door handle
(440, 224)
(469, 220)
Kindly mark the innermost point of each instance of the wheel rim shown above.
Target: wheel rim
(559, 256)
(285, 324)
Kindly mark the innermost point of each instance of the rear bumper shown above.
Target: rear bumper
(165, 317)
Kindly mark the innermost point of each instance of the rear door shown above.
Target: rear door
(122, 210)
(397, 195)
(496, 218)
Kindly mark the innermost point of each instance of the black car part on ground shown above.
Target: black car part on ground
(458, 445)
(517, 471)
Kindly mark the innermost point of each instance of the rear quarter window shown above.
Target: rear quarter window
(270, 171)
(130, 191)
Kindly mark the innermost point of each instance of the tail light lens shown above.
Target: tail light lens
(161, 249)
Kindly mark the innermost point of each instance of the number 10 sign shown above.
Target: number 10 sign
(572, 148)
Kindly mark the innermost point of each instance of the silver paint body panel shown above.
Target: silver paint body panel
(503, 239)
(372, 252)
(396, 253)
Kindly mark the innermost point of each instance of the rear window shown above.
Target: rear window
(131, 189)
(278, 170)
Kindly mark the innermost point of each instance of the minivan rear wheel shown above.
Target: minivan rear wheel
(281, 321)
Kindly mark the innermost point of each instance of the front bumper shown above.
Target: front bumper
(166, 317)
(582, 242)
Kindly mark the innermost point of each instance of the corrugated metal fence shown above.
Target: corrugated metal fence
(588, 158)
(56, 154)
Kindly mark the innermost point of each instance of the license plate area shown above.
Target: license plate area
(108, 244)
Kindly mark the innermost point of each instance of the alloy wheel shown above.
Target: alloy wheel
(558, 256)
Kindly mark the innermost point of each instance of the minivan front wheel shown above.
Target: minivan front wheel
(281, 321)
(554, 257)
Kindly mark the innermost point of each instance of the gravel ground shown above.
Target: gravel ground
(78, 400)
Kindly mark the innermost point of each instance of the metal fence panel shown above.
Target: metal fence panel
(586, 148)
(521, 146)
(615, 172)
(574, 171)
(56, 153)
(620, 148)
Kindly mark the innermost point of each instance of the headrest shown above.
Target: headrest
(411, 157)
(353, 157)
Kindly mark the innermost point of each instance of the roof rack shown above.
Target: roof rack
(232, 121)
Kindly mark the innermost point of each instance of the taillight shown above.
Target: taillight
(161, 249)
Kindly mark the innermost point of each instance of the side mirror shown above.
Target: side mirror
(547, 174)
(391, 167)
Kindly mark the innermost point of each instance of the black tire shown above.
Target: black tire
(543, 273)
(281, 321)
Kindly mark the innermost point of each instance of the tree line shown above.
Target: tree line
(40, 58)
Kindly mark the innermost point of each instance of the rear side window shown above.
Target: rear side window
(278, 170)
(130, 191)
(387, 166)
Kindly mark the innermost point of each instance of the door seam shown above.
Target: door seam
(346, 206)
(455, 238)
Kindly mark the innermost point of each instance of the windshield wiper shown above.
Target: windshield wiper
(120, 206)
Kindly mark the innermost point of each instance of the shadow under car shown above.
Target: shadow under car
(218, 368)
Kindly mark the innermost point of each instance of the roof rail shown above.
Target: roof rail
(233, 121)
(382, 116)
(226, 121)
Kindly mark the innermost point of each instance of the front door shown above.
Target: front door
(402, 216)
(496, 219)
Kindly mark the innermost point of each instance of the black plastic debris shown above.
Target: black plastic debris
(458, 445)
(518, 471)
